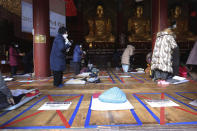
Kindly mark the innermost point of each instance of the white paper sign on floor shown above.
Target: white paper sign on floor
(161, 103)
(75, 81)
(55, 105)
(103, 106)
(103, 76)
(125, 76)
(194, 103)
(138, 72)
(26, 81)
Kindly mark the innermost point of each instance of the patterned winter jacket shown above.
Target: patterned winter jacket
(126, 54)
(162, 53)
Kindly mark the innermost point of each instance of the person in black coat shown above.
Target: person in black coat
(6, 97)
(175, 61)
(57, 57)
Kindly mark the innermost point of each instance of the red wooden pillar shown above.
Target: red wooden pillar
(159, 17)
(41, 38)
(119, 22)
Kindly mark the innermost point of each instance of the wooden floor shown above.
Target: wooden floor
(137, 87)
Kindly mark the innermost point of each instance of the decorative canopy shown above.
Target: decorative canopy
(70, 8)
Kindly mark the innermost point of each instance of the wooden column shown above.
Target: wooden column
(119, 22)
(159, 17)
(41, 38)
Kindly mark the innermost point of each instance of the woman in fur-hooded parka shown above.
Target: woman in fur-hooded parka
(162, 53)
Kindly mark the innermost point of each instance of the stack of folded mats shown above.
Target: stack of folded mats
(112, 99)
(138, 70)
(177, 80)
(84, 74)
(29, 95)
(75, 81)
(8, 79)
(93, 80)
(88, 77)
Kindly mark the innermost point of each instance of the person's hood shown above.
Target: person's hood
(167, 31)
(130, 46)
(77, 46)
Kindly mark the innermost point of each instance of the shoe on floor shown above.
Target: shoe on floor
(60, 86)
(164, 82)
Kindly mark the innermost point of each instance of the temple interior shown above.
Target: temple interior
(104, 28)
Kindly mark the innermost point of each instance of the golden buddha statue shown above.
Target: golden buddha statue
(181, 31)
(139, 27)
(99, 28)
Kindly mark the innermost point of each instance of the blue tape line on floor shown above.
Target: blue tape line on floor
(184, 96)
(148, 93)
(142, 77)
(192, 122)
(136, 117)
(37, 127)
(12, 119)
(139, 80)
(64, 95)
(153, 115)
(117, 77)
(75, 111)
(187, 92)
(45, 127)
(4, 113)
(95, 126)
(111, 77)
(87, 121)
(181, 102)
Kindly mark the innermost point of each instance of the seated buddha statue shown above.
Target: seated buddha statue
(100, 28)
(138, 27)
(181, 31)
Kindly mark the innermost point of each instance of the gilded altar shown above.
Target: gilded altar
(100, 28)
(139, 27)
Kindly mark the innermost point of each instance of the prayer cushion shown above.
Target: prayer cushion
(113, 95)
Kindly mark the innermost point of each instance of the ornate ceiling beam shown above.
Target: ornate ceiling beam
(13, 6)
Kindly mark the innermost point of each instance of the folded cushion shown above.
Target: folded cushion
(75, 81)
(113, 95)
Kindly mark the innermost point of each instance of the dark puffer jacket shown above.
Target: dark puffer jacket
(58, 57)
(77, 54)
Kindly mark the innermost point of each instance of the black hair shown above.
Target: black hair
(172, 23)
(14, 45)
(62, 30)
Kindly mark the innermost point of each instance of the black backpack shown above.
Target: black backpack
(3, 101)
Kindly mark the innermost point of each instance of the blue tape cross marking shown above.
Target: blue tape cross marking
(111, 77)
(44, 127)
(12, 119)
(75, 111)
(179, 93)
(4, 113)
(181, 102)
(139, 123)
(154, 116)
(117, 77)
(139, 80)
(141, 77)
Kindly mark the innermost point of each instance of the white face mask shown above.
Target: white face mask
(174, 26)
(65, 36)
(16, 46)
